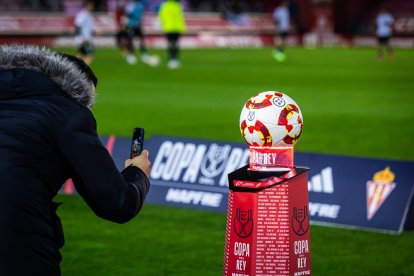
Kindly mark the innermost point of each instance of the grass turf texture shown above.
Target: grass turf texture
(173, 241)
(351, 104)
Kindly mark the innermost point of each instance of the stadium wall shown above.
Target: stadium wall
(205, 30)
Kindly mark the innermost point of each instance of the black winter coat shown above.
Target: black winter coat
(46, 137)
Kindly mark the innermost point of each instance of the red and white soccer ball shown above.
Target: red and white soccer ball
(271, 119)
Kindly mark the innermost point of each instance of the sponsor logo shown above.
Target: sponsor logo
(301, 273)
(322, 182)
(197, 163)
(323, 210)
(194, 197)
(378, 190)
(243, 223)
(238, 41)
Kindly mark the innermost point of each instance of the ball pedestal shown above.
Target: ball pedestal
(267, 231)
(271, 159)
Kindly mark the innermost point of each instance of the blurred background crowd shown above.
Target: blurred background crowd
(352, 17)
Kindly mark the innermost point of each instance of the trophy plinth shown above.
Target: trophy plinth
(267, 230)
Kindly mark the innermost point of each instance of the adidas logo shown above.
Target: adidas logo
(322, 182)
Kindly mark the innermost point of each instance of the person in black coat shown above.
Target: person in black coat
(47, 135)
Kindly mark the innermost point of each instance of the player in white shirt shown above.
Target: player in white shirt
(384, 22)
(281, 17)
(84, 32)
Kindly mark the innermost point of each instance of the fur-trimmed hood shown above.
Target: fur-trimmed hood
(63, 72)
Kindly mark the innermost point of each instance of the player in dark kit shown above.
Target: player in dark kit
(130, 20)
(47, 135)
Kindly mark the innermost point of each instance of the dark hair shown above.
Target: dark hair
(83, 67)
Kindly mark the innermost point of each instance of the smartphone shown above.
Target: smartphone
(137, 142)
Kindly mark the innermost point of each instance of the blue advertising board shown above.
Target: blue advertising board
(359, 192)
(194, 173)
(344, 191)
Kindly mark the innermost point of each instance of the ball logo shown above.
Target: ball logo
(278, 101)
(300, 221)
(243, 223)
(250, 116)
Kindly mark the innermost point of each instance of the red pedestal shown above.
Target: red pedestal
(267, 230)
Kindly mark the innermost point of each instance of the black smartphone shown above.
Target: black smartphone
(137, 142)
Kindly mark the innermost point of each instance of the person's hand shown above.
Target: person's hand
(141, 161)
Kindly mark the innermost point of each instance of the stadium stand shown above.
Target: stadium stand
(314, 23)
(355, 17)
(30, 6)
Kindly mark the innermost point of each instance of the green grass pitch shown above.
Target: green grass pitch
(352, 105)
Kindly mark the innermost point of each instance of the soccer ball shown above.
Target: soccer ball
(271, 119)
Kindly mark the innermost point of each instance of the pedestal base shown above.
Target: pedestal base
(267, 229)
